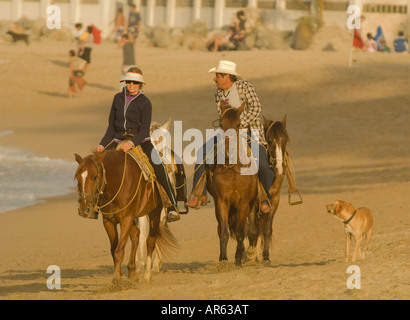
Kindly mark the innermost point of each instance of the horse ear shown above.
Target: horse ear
(167, 125)
(78, 158)
(241, 108)
(285, 119)
(222, 106)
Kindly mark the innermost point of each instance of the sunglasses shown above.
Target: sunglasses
(132, 81)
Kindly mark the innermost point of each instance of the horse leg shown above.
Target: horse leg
(268, 221)
(132, 268)
(126, 226)
(240, 233)
(112, 233)
(267, 238)
(154, 233)
(253, 234)
(143, 224)
(222, 213)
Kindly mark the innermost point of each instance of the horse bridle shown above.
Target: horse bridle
(271, 157)
(94, 196)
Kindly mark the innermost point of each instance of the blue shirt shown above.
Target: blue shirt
(399, 44)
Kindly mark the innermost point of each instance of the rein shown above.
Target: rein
(95, 195)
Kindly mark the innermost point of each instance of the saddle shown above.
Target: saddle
(209, 173)
(262, 196)
(148, 173)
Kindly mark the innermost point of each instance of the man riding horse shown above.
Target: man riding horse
(234, 91)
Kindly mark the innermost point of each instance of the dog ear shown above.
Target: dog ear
(337, 206)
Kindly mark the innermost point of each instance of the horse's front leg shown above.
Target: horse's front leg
(222, 214)
(132, 268)
(126, 226)
(111, 229)
(242, 213)
(253, 235)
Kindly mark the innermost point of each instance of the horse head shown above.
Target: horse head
(230, 123)
(90, 180)
(230, 117)
(277, 138)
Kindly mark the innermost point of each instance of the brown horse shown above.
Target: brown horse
(260, 225)
(234, 194)
(111, 183)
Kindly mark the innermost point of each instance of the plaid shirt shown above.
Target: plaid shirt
(250, 115)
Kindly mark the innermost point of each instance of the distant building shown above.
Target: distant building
(392, 15)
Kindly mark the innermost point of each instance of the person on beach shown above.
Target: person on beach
(86, 45)
(401, 43)
(119, 26)
(76, 74)
(235, 91)
(130, 114)
(134, 23)
(128, 54)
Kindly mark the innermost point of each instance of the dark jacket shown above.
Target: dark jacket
(136, 119)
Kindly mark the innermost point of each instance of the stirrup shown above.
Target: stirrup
(173, 216)
(294, 203)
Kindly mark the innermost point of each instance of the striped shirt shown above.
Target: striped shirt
(250, 117)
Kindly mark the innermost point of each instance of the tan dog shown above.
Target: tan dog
(358, 222)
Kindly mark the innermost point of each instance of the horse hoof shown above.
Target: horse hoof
(133, 276)
(147, 277)
(266, 262)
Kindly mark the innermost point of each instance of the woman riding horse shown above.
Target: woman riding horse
(234, 92)
(131, 115)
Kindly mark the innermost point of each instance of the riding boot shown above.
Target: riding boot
(162, 177)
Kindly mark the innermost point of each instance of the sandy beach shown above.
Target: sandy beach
(350, 140)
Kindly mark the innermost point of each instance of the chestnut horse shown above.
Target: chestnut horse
(234, 194)
(260, 225)
(111, 183)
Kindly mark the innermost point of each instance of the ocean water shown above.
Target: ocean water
(26, 178)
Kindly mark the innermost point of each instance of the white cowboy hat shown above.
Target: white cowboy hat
(133, 76)
(225, 66)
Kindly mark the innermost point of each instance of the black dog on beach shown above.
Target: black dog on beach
(18, 37)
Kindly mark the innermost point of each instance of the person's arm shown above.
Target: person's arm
(143, 131)
(253, 107)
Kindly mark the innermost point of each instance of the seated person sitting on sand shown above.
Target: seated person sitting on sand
(401, 43)
(370, 45)
(221, 42)
(239, 35)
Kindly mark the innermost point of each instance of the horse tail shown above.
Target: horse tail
(166, 242)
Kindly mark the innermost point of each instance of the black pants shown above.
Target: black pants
(159, 168)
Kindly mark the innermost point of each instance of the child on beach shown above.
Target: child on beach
(76, 74)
